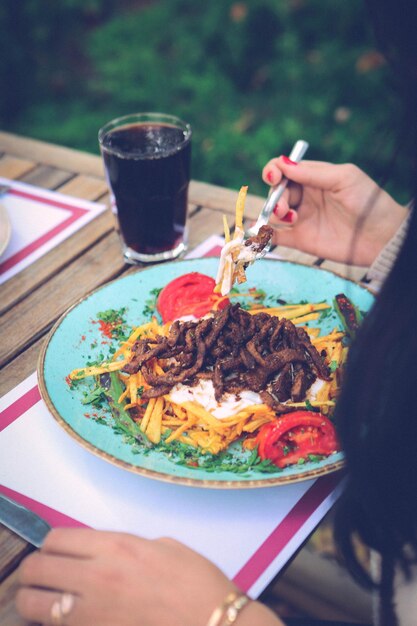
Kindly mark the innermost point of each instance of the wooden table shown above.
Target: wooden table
(32, 301)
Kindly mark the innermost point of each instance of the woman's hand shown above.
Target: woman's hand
(341, 214)
(121, 579)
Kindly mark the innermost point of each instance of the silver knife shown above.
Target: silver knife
(23, 522)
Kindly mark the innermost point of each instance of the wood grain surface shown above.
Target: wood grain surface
(34, 299)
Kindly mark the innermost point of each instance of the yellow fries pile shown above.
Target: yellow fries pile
(336, 354)
(297, 313)
(189, 422)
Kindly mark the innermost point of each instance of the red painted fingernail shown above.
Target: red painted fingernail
(288, 217)
(288, 161)
(269, 176)
(276, 209)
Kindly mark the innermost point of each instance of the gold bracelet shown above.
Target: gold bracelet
(227, 613)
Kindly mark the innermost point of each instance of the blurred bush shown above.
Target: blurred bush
(251, 76)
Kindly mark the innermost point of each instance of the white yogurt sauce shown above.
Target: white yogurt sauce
(188, 318)
(314, 389)
(247, 254)
(203, 393)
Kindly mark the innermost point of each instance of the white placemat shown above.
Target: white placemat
(40, 220)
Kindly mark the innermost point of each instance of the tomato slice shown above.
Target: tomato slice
(190, 294)
(294, 436)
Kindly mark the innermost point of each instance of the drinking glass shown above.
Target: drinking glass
(147, 164)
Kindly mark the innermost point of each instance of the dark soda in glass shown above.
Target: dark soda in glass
(147, 162)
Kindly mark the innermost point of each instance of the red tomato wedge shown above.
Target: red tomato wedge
(296, 435)
(190, 294)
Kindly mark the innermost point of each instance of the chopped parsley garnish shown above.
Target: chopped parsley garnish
(112, 316)
(150, 304)
(237, 462)
(310, 407)
(315, 458)
(326, 313)
(95, 397)
(113, 325)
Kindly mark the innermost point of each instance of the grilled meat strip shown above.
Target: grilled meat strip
(237, 351)
(261, 240)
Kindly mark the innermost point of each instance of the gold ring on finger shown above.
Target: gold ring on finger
(62, 607)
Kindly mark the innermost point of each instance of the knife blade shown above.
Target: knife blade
(23, 522)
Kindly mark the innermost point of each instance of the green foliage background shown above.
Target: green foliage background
(251, 77)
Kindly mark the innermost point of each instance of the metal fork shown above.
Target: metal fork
(296, 155)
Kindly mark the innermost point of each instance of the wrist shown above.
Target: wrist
(238, 609)
(384, 261)
(389, 222)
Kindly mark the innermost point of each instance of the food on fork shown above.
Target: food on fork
(260, 241)
(238, 253)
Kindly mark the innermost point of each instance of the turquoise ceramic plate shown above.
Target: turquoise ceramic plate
(76, 339)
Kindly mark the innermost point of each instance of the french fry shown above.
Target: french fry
(291, 311)
(197, 410)
(153, 429)
(148, 412)
(226, 229)
(305, 318)
(317, 403)
(240, 207)
(179, 411)
(323, 394)
(176, 434)
(250, 443)
(188, 441)
(253, 425)
(170, 422)
(84, 372)
(218, 302)
(133, 391)
(158, 369)
(240, 276)
(123, 395)
(326, 339)
(313, 333)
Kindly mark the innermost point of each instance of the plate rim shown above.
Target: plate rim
(4, 215)
(169, 478)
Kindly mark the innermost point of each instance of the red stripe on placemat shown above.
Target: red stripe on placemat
(76, 213)
(214, 251)
(285, 531)
(51, 201)
(51, 516)
(17, 408)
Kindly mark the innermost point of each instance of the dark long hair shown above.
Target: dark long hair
(377, 409)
